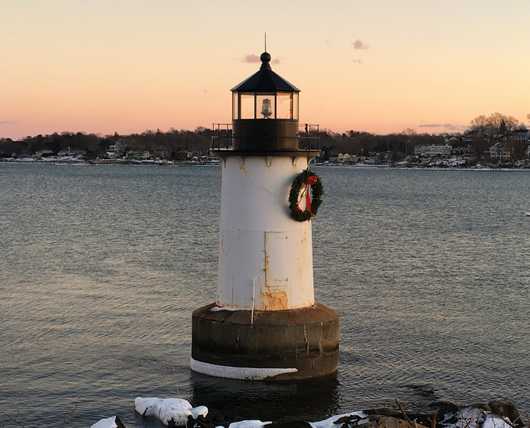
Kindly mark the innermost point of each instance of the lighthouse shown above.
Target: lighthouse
(265, 323)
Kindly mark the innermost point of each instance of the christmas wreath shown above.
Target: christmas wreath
(306, 184)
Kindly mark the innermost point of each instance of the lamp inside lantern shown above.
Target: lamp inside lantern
(266, 110)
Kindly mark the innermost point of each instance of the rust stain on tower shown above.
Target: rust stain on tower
(274, 299)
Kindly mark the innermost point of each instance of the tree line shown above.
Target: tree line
(165, 145)
(481, 134)
(170, 145)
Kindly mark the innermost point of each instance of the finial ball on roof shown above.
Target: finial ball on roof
(265, 57)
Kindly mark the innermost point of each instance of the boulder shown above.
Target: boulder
(376, 421)
(506, 409)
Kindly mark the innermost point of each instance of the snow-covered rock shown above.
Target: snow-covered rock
(494, 421)
(336, 421)
(507, 410)
(466, 417)
(248, 424)
(169, 409)
(474, 417)
(113, 422)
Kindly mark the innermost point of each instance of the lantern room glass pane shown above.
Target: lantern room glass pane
(284, 105)
(235, 106)
(247, 106)
(265, 106)
(295, 106)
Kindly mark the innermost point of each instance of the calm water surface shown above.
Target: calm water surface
(101, 266)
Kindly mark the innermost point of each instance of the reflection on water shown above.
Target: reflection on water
(235, 400)
(100, 268)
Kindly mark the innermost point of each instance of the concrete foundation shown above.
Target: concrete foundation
(265, 345)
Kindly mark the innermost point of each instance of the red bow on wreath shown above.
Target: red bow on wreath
(310, 181)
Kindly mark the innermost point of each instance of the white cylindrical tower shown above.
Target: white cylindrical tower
(265, 323)
(265, 257)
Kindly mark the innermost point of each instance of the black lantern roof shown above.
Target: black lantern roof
(265, 80)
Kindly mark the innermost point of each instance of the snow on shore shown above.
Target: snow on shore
(179, 412)
(335, 421)
(474, 417)
(176, 410)
(248, 424)
(113, 422)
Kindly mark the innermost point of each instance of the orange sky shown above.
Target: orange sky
(383, 66)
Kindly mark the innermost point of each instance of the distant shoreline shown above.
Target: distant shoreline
(58, 162)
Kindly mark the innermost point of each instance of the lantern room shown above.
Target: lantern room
(265, 112)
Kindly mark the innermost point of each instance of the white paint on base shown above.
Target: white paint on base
(221, 308)
(242, 373)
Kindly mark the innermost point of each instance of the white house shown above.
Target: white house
(347, 158)
(500, 152)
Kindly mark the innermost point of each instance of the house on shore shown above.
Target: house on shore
(500, 152)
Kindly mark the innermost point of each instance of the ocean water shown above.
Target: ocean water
(101, 266)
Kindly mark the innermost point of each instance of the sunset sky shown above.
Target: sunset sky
(381, 66)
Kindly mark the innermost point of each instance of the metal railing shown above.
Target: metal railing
(309, 137)
(222, 137)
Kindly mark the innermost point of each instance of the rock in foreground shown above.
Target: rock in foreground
(113, 422)
(496, 414)
(170, 411)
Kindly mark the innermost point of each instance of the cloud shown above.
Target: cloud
(359, 45)
(7, 122)
(252, 59)
(446, 126)
(435, 125)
